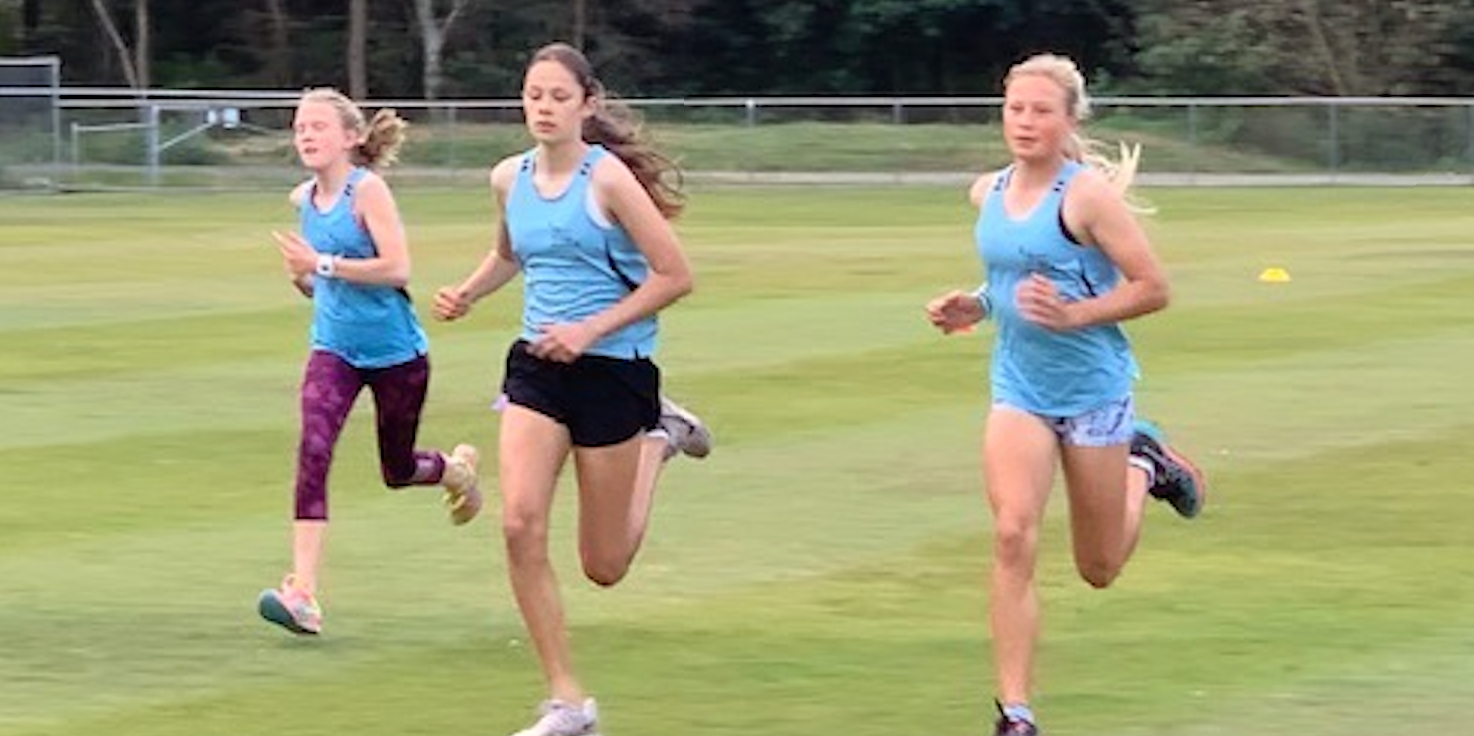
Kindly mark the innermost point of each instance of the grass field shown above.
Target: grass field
(823, 572)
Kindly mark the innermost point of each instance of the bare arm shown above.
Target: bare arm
(303, 281)
(374, 204)
(958, 311)
(499, 267)
(375, 208)
(669, 277)
(496, 269)
(978, 192)
(1098, 216)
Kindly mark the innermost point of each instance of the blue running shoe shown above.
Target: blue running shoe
(291, 607)
(1178, 481)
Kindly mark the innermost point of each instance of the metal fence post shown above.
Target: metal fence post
(1469, 119)
(1334, 154)
(151, 138)
(1192, 138)
(55, 117)
(455, 140)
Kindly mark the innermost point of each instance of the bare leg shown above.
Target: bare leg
(1107, 498)
(616, 487)
(652, 461)
(532, 450)
(1019, 456)
(307, 543)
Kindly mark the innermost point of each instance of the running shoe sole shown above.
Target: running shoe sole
(465, 503)
(273, 610)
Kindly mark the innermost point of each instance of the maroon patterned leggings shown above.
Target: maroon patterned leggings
(328, 391)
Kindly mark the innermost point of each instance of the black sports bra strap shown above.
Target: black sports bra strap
(1065, 174)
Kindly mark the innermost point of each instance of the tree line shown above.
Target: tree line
(477, 48)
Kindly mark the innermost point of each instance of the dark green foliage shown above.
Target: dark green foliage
(663, 48)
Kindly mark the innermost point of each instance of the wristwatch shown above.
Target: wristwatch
(327, 265)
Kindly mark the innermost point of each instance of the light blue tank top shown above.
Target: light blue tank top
(369, 326)
(1054, 374)
(574, 266)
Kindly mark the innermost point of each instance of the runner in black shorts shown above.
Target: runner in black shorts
(585, 220)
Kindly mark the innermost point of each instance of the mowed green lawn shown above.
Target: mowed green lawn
(824, 571)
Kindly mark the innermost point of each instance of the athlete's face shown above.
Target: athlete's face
(1036, 117)
(320, 136)
(554, 103)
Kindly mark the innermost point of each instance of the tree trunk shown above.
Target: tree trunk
(358, 49)
(30, 20)
(432, 41)
(1315, 27)
(141, 43)
(110, 29)
(580, 22)
(434, 74)
(278, 64)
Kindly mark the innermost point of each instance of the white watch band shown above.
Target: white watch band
(327, 266)
(985, 300)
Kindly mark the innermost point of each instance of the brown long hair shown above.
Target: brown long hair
(617, 127)
(383, 134)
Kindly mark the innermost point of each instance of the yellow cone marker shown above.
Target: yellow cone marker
(1274, 275)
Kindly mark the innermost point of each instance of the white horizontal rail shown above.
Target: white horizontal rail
(82, 97)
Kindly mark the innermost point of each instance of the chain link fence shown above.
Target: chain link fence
(85, 138)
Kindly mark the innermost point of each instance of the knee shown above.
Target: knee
(526, 536)
(316, 449)
(397, 476)
(1098, 572)
(1013, 544)
(604, 571)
